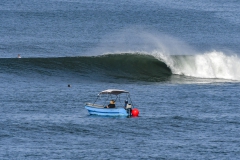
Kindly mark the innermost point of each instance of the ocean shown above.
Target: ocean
(178, 59)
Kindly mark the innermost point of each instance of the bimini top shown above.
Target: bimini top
(113, 91)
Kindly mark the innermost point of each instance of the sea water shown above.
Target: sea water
(179, 60)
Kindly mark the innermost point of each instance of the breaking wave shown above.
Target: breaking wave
(211, 65)
(132, 66)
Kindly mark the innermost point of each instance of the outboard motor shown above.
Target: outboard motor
(129, 109)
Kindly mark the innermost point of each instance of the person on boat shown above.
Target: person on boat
(112, 104)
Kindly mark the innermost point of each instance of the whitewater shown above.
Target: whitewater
(213, 64)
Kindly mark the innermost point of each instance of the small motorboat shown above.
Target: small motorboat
(122, 108)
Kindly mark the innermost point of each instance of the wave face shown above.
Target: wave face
(116, 66)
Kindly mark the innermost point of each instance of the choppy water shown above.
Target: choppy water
(180, 62)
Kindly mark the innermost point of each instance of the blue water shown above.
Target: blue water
(179, 60)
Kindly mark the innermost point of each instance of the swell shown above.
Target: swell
(116, 66)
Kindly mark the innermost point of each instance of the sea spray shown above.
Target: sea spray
(218, 65)
(208, 65)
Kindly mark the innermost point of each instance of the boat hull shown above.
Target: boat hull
(106, 111)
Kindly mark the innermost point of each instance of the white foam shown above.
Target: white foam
(208, 65)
